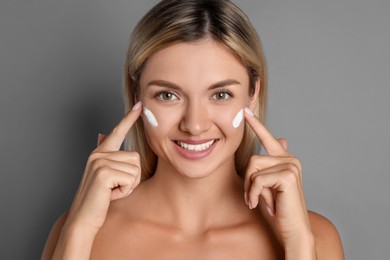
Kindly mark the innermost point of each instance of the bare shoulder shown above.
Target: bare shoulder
(52, 239)
(328, 242)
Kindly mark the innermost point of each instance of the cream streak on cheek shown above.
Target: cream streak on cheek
(150, 117)
(238, 118)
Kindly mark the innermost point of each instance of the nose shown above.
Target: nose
(195, 120)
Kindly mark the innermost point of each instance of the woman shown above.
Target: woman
(195, 73)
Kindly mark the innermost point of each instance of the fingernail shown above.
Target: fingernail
(270, 211)
(137, 106)
(249, 112)
(100, 139)
(246, 198)
(250, 205)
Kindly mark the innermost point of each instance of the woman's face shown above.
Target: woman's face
(193, 96)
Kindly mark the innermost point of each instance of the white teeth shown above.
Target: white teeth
(196, 147)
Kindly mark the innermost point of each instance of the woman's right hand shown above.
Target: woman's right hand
(110, 174)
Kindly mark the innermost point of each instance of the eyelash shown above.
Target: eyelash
(159, 95)
(225, 91)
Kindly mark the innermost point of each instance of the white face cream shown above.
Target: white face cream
(238, 118)
(150, 117)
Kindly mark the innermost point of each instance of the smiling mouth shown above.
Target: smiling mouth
(195, 147)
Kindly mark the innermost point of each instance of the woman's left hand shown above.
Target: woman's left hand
(277, 179)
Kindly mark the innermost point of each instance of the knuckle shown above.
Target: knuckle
(93, 156)
(135, 160)
(132, 178)
(252, 160)
(138, 180)
(255, 159)
(252, 177)
(297, 163)
(292, 168)
(256, 179)
(289, 178)
(255, 162)
(97, 164)
(257, 187)
(101, 173)
(134, 156)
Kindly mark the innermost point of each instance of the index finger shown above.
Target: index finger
(270, 143)
(115, 139)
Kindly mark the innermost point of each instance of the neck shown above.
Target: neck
(196, 204)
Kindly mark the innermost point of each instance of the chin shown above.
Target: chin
(201, 170)
(195, 173)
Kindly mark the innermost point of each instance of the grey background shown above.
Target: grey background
(61, 75)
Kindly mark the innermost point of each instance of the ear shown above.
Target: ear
(253, 100)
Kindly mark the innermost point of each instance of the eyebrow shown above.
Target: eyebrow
(221, 84)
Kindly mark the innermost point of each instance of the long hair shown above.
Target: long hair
(174, 21)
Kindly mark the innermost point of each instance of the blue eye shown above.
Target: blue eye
(222, 95)
(166, 96)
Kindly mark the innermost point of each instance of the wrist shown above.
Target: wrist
(301, 247)
(75, 242)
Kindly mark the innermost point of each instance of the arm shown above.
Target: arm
(323, 242)
(67, 243)
(110, 174)
(74, 243)
(277, 179)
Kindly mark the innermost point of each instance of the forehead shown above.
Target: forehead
(200, 63)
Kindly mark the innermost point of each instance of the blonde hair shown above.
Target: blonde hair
(173, 21)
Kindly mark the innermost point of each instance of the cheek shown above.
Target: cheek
(151, 123)
(150, 118)
(237, 120)
(231, 122)
(154, 126)
(157, 122)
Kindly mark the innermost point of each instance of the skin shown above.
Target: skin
(192, 208)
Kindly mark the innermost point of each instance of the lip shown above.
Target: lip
(195, 141)
(194, 155)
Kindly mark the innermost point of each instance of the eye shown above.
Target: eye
(222, 95)
(166, 96)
